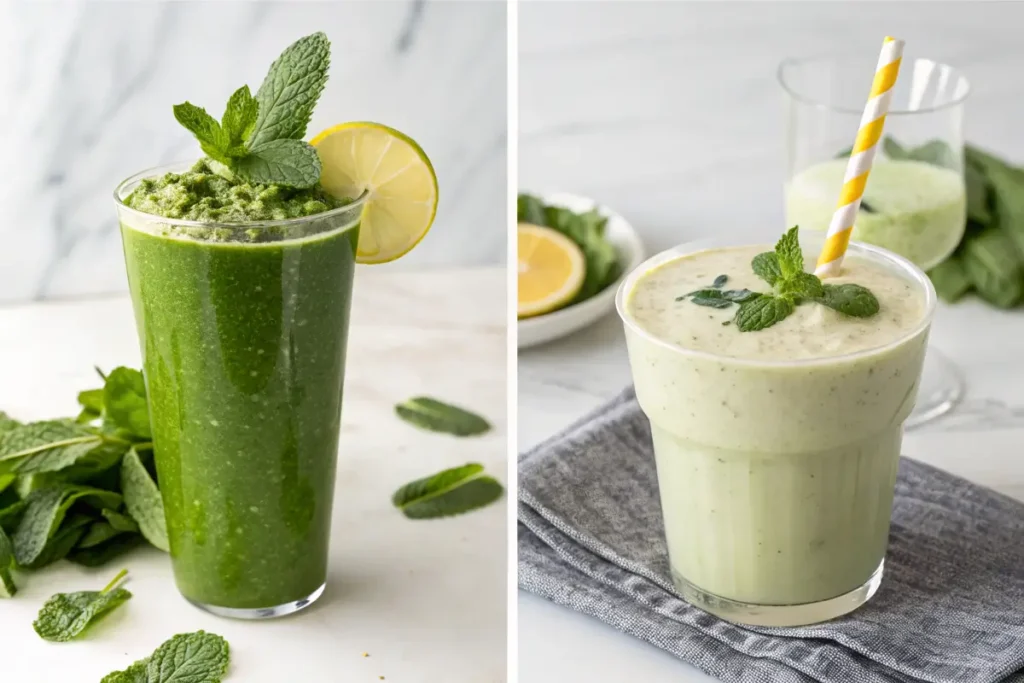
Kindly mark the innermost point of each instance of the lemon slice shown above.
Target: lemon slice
(551, 270)
(391, 167)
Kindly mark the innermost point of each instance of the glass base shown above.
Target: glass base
(779, 615)
(942, 387)
(262, 612)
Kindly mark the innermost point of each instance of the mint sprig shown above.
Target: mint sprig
(66, 615)
(259, 139)
(783, 269)
(198, 657)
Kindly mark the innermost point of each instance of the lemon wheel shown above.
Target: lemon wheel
(551, 270)
(398, 177)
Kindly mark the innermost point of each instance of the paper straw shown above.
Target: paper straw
(861, 157)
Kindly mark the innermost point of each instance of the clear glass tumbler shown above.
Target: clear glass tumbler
(243, 329)
(915, 200)
(777, 478)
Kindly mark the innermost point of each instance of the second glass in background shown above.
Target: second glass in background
(915, 200)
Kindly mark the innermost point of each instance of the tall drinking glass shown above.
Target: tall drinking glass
(243, 328)
(915, 200)
(776, 476)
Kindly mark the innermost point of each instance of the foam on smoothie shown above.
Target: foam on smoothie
(811, 331)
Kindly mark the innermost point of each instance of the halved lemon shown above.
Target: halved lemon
(551, 270)
(363, 156)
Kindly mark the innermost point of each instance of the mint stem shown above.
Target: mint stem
(117, 579)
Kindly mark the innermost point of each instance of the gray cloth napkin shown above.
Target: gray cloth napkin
(951, 605)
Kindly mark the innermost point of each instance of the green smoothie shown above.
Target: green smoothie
(776, 449)
(243, 329)
(915, 209)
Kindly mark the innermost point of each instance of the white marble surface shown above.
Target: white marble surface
(670, 114)
(426, 600)
(86, 90)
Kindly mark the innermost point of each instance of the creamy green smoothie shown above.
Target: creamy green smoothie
(776, 449)
(915, 209)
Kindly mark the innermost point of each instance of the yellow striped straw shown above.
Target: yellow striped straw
(861, 157)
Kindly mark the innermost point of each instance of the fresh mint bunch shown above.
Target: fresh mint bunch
(259, 139)
(783, 270)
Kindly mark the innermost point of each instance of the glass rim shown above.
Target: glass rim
(857, 248)
(180, 222)
(803, 98)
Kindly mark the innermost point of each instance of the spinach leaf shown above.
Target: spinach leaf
(451, 492)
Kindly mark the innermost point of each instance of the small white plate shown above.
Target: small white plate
(544, 328)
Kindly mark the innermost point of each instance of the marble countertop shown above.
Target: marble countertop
(563, 380)
(426, 600)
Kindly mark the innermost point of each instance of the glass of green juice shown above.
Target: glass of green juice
(915, 201)
(243, 328)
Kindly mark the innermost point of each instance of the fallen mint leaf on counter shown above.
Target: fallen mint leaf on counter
(66, 615)
(198, 657)
(451, 492)
(438, 416)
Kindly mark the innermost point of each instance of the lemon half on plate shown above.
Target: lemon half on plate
(551, 270)
(402, 201)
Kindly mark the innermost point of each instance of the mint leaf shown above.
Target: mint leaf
(766, 266)
(791, 258)
(95, 556)
(7, 587)
(290, 91)
(205, 128)
(91, 399)
(893, 149)
(762, 312)
(740, 295)
(529, 209)
(124, 402)
(292, 163)
(66, 615)
(142, 498)
(198, 657)
(7, 423)
(239, 120)
(720, 281)
(66, 537)
(451, 492)
(711, 301)
(801, 286)
(44, 513)
(437, 416)
(47, 446)
(850, 299)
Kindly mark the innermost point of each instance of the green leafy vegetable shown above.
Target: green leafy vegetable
(587, 230)
(198, 657)
(46, 446)
(7, 587)
(124, 400)
(766, 266)
(451, 492)
(762, 312)
(849, 299)
(994, 267)
(800, 286)
(45, 512)
(142, 498)
(790, 256)
(260, 138)
(720, 281)
(437, 416)
(66, 615)
(950, 279)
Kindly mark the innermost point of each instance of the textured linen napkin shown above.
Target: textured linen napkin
(950, 608)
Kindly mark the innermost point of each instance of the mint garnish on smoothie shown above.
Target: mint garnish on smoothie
(783, 269)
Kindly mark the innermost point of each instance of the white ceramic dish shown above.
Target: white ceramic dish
(618, 231)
